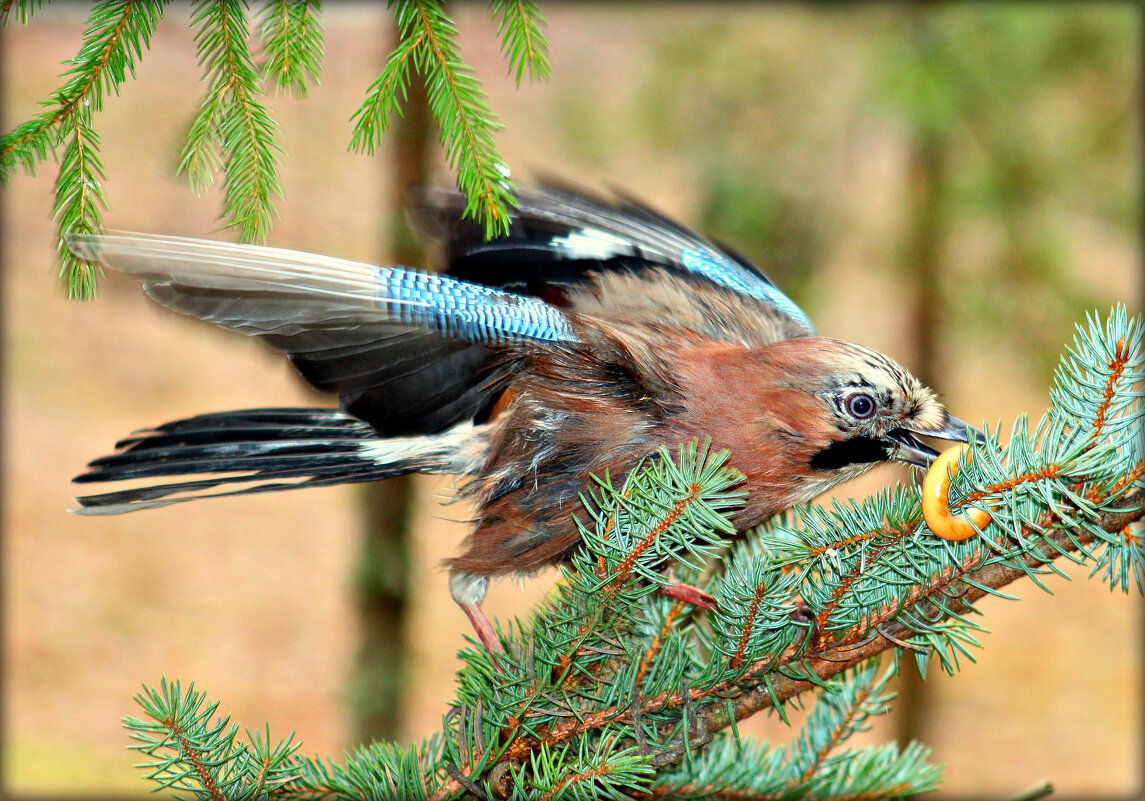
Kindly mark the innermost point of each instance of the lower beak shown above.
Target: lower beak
(906, 447)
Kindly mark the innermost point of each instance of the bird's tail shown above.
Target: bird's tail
(266, 450)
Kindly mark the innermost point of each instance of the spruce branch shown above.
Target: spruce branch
(428, 40)
(117, 32)
(828, 662)
(815, 765)
(233, 127)
(521, 38)
(23, 10)
(291, 35)
(613, 690)
(190, 748)
(384, 97)
(233, 131)
(79, 200)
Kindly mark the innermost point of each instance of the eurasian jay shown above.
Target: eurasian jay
(594, 334)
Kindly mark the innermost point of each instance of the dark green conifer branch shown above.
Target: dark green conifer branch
(23, 10)
(815, 765)
(521, 38)
(614, 691)
(117, 32)
(292, 45)
(232, 120)
(457, 102)
(234, 132)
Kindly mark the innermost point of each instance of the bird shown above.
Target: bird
(593, 334)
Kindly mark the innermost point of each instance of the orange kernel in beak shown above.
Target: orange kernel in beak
(936, 505)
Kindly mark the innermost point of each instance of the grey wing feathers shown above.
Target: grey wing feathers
(260, 290)
(405, 351)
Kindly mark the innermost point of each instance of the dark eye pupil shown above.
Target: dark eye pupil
(861, 406)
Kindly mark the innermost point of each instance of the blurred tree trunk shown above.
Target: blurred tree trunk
(926, 224)
(924, 252)
(381, 570)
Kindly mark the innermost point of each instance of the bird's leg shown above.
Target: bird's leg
(688, 594)
(480, 622)
(468, 590)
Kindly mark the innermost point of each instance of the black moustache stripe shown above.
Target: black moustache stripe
(857, 450)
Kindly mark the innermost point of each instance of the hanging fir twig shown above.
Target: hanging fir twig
(521, 38)
(23, 10)
(457, 101)
(614, 691)
(233, 129)
(291, 36)
(234, 132)
(117, 32)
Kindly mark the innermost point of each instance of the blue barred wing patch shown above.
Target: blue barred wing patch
(561, 235)
(740, 279)
(598, 228)
(471, 311)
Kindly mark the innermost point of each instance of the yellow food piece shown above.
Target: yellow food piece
(936, 506)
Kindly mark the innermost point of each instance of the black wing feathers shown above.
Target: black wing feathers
(317, 447)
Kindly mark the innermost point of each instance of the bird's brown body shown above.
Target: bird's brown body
(567, 421)
(624, 334)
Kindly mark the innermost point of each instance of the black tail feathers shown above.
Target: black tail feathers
(262, 450)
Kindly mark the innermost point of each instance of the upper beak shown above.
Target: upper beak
(906, 447)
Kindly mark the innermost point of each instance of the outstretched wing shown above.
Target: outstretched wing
(562, 237)
(405, 351)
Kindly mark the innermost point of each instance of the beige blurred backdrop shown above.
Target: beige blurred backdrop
(250, 597)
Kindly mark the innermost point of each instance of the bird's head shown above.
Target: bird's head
(803, 415)
(871, 410)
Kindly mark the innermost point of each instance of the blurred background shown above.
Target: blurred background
(952, 184)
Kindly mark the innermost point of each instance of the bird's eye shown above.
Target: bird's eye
(860, 406)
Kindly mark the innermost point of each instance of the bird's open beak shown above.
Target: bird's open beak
(906, 447)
